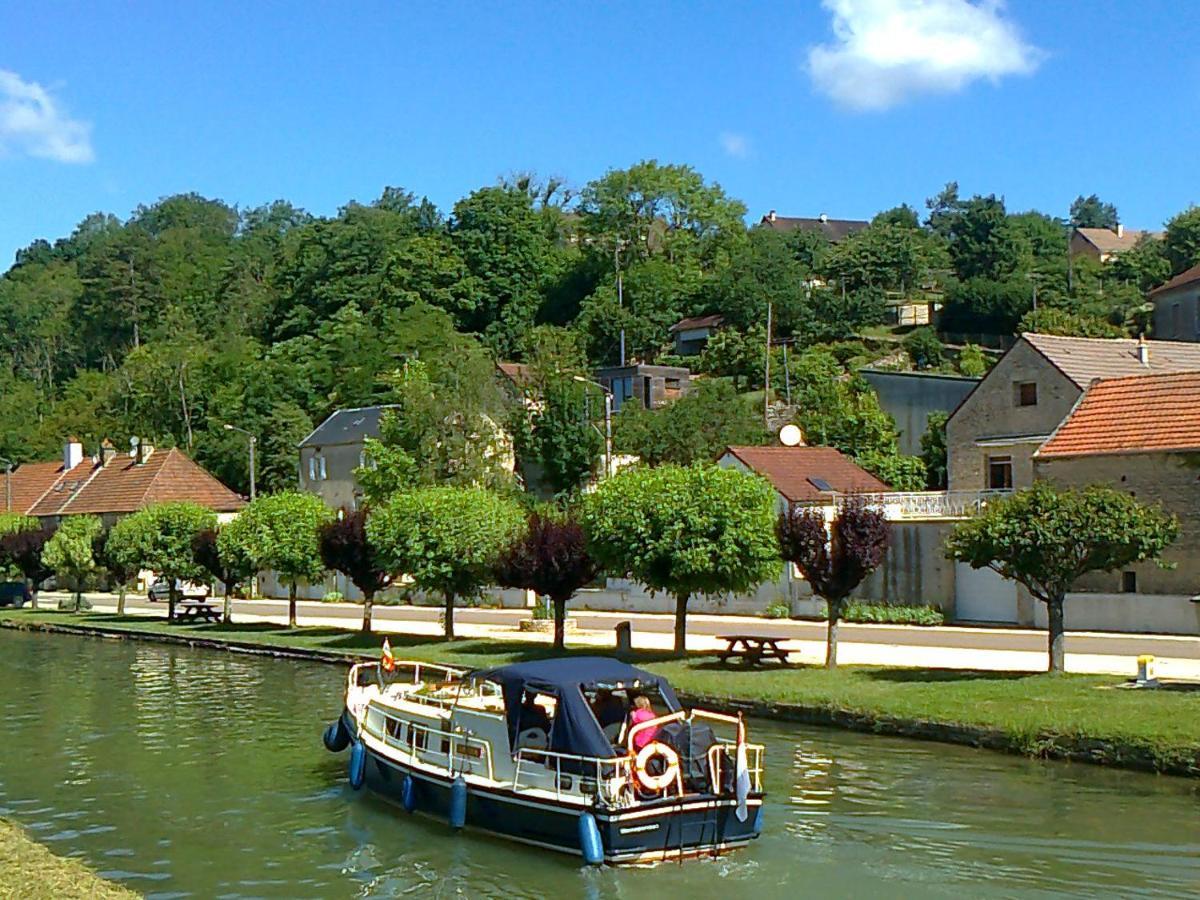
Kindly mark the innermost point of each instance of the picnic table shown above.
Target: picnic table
(197, 610)
(753, 648)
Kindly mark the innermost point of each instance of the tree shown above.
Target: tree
(159, 538)
(279, 532)
(560, 433)
(1046, 538)
(1048, 320)
(446, 539)
(900, 472)
(971, 361)
(115, 565)
(1181, 242)
(833, 556)
(226, 561)
(983, 244)
(550, 558)
(834, 410)
(23, 547)
(69, 553)
(345, 548)
(924, 348)
(1092, 212)
(694, 530)
(933, 451)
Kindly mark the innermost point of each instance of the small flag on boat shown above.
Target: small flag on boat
(743, 773)
(387, 661)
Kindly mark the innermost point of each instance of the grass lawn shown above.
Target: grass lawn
(1086, 716)
(27, 869)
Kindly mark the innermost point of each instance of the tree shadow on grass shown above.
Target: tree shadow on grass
(908, 675)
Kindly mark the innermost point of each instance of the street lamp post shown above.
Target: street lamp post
(253, 441)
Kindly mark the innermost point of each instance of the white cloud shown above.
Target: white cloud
(33, 124)
(886, 51)
(735, 145)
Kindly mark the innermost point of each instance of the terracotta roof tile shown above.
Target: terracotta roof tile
(30, 481)
(1145, 413)
(792, 470)
(1083, 360)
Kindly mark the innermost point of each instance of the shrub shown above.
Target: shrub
(780, 609)
(924, 348)
(333, 597)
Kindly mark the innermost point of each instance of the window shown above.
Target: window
(312, 468)
(324, 474)
(1027, 393)
(1000, 476)
(1129, 582)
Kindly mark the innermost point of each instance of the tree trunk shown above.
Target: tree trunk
(172, 596)
(831, 639)
(292, 603)
(681, 602)
(32, 593)
(227, 606)
(368, 602)
(560, 622)
(1054, 618)
(449, 616)
(78, 600)
(121, 599)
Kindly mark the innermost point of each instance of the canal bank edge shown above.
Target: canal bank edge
(27, 869)
(1074, 748)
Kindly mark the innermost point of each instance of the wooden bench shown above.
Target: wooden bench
(753, 648)
(197, 610)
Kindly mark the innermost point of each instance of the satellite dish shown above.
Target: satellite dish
(790, 436)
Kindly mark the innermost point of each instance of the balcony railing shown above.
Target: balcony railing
(918, 506)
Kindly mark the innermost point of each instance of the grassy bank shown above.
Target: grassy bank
(1084, 717)
(29, 870)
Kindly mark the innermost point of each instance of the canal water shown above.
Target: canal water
(188, 773)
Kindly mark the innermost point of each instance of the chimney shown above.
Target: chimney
(72, 453)
(107, 452)
(144, 449)
(1143, 350)
(771, 216)
(1120, 230)
(824, 218)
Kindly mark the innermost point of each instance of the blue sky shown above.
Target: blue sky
(843, 107)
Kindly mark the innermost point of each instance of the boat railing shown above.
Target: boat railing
(720, 753)
(604, 770)
(403, 672)
(436, 744)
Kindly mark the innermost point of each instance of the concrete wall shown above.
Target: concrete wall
(909, 398)
(991, 412)
(1137, 613)
(1176, 314)
(915, 571)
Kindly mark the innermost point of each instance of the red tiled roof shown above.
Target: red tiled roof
(30, 481)
(1141, 414)
(124, 486)
(792, 471)
(1183, 279)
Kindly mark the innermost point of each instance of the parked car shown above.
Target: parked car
(160, 591)
(15, 593)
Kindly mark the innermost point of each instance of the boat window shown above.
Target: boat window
(536, 720)
(416, 737)
(610, 708)
(393, 727)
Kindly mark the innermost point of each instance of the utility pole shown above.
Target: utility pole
(767, 374)
(620, 293)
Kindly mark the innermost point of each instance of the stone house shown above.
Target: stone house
(1139, 434)
(651, 386)
(691, 334)
(1177, 307)
(334, 449)
(1102, 244)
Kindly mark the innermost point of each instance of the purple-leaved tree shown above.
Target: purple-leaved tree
(345, 548)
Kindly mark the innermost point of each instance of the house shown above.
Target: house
(692, 334)
(334, 449)
(651, 386)
(111, 484)
(910, 397)
(803, 474)
(834, 230)
(1103, 244)
(1139, 434)
(992, 435)
(1177, 307)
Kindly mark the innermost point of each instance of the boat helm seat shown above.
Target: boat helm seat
(533, 739)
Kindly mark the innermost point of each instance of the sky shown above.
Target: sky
(842, 107)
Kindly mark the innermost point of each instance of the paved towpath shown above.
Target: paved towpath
(1015, 649)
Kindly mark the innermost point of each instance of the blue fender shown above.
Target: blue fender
(589, 840)
(358, 764)
(408, 794)
(458, 803)
(336, 737)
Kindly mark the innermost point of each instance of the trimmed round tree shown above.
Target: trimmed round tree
(159, 538)
(1046, 538)
(115, 565)
(22, 546)
(225, 561)
(549, 557)
(695, 530)
(279, 532)
(834, 557)
(346, 548)
(69, 553)
(446, 539)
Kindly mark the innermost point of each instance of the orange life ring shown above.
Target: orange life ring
(668, 776)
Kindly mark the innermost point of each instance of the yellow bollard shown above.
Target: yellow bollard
(1145, 670)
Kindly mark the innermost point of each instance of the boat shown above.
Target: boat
(588, 756)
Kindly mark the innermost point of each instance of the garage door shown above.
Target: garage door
(980, 595)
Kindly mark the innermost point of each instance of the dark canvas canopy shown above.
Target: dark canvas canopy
(575, 729)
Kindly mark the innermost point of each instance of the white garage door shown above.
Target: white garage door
(980, 595)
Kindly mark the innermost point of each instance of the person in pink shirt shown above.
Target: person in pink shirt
(642, 713)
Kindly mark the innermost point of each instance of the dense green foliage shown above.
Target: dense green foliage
(69, 554)
(280, 534)
(694, 530)
(446, 539)
(1046, 538)
(160, 538)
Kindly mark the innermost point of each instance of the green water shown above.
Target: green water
(197, 774)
